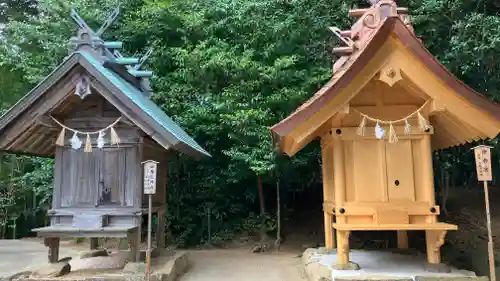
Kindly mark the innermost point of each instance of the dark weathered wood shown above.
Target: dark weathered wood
(80, 177)
(28, 118)
(58, 173)
(38, 91)
(97, 193)
(133, 113)
(133, 183)
(88, 221)
(94, 243)
(53, 244)
(112, 176)
(134, 245)
(138, 236)
(110, 211)
(70, 232)
(121, 106)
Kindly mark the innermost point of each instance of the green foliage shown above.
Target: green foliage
(226, 70)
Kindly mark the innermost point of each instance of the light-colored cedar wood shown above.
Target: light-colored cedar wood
(402, 239)
(343, 246)
(306, 132)
(399, 159)
(380, 185)
(434, 240)
(339, 175)
(328, 194)
(383, 227)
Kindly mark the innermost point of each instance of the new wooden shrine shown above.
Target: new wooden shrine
(94, 115)
(388, 106)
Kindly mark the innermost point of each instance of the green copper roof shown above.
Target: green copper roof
(145, 104)
(119, 79)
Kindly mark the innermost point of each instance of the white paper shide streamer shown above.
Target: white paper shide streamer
(380, 132)
(76, 141)
(100, 139)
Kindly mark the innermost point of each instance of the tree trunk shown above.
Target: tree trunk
(445, 190)
(278, 215)
(263, 235)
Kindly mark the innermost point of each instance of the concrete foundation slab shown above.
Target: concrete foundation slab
(374, 265)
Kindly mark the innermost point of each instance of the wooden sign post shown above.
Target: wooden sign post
(150, 168)
(483, 167)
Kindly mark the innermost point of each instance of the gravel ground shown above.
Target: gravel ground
(17, 255)
(242, 265)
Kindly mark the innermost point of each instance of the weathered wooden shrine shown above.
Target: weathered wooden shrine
(94, 115)
(389, 104)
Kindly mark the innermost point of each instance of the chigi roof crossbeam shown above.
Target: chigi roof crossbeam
(108, 51)
(369, 19)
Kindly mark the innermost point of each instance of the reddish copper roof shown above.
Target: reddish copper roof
(369, 44)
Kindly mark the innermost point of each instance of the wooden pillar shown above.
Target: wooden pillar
(160, 232)
(328, 190)
(339, 176)
(342, 247)
(434, 240)
(428, 174)
(53, 244)
(339, 187)
(402, 239)
(94, 243)
(134, 241)
(329, 234)
(138, 240)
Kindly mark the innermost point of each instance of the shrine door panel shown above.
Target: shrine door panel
(113, 178)
(80, 177)
(368, 171)
(400, 171)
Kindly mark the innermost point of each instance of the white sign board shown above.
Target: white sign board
(150, 168)
(483, 162)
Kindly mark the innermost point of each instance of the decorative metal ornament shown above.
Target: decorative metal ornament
(82, 88)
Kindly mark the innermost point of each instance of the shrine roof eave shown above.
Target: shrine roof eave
(391, 25)
(167, 133)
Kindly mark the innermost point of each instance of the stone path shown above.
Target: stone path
(16, 255)
(241, 265)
